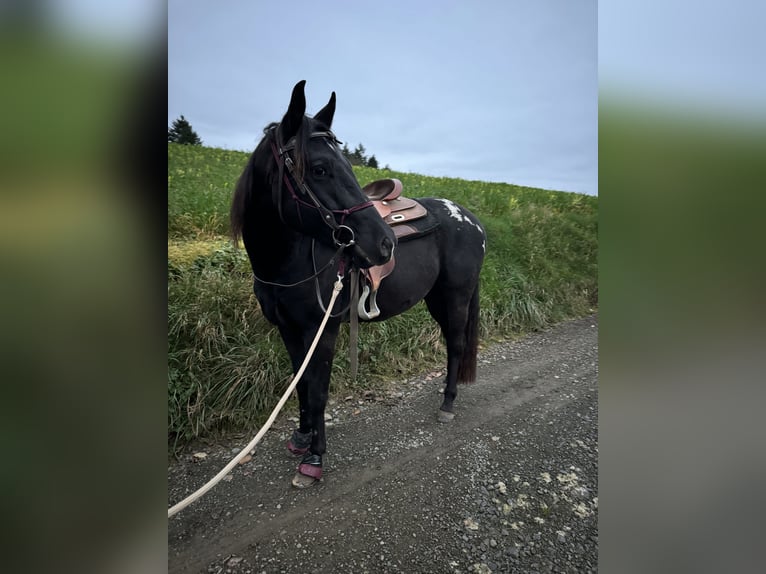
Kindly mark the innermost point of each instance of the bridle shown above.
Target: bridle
(284, 160)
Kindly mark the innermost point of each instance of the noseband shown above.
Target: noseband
(342, 235)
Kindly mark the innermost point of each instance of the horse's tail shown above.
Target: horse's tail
(466, 369)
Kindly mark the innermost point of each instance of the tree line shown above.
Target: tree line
(182, 132)
(359, 157)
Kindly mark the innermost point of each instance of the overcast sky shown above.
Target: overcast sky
(497, 90)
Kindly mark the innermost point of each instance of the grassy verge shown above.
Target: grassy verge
(227, 365)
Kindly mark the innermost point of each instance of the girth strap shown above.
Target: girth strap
(353, 333)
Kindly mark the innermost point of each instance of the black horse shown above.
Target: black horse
(305, 220)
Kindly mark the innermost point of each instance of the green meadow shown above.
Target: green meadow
(227, 365)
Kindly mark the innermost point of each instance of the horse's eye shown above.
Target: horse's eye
(318, 171)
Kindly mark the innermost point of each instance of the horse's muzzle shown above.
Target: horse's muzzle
(381, 255)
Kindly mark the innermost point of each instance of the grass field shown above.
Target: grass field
(227, 365)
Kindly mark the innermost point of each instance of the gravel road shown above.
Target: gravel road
(510, 486)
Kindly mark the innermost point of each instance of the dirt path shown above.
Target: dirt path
(510, 486)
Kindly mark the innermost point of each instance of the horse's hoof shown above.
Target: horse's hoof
(303, 481)
(445, 417)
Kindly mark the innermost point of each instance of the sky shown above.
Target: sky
(498, 90)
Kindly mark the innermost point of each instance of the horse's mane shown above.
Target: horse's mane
(262, 164)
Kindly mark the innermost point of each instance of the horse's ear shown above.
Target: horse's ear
(295, 112)
(326, 114)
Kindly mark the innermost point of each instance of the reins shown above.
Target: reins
(310, 277)
(217, 478)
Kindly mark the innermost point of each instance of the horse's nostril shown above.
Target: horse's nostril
(386, 246)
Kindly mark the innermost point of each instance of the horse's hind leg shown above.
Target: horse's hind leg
(450, 309)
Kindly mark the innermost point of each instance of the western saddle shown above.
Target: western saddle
(398, 212)
(386, 196)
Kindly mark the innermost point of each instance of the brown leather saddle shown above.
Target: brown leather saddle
(398, 212)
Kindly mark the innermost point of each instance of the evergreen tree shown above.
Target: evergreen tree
(359, 156)
(346, 152)
(182, 132)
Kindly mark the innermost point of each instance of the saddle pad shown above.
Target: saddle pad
(414, 228)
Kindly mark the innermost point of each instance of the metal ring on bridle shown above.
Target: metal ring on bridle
(336, 236)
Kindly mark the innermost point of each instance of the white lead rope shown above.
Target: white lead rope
(217, 478)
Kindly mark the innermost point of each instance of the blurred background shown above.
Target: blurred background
(82, 304)
(682, 153)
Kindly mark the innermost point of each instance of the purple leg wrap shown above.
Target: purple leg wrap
(299, 443)
(295, 450)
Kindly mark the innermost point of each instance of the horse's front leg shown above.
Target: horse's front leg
(309, 439)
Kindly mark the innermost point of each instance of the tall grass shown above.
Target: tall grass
(227, 365)
(200, 184)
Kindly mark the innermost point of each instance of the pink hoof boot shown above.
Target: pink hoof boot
(309, 471)
(314, 472)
